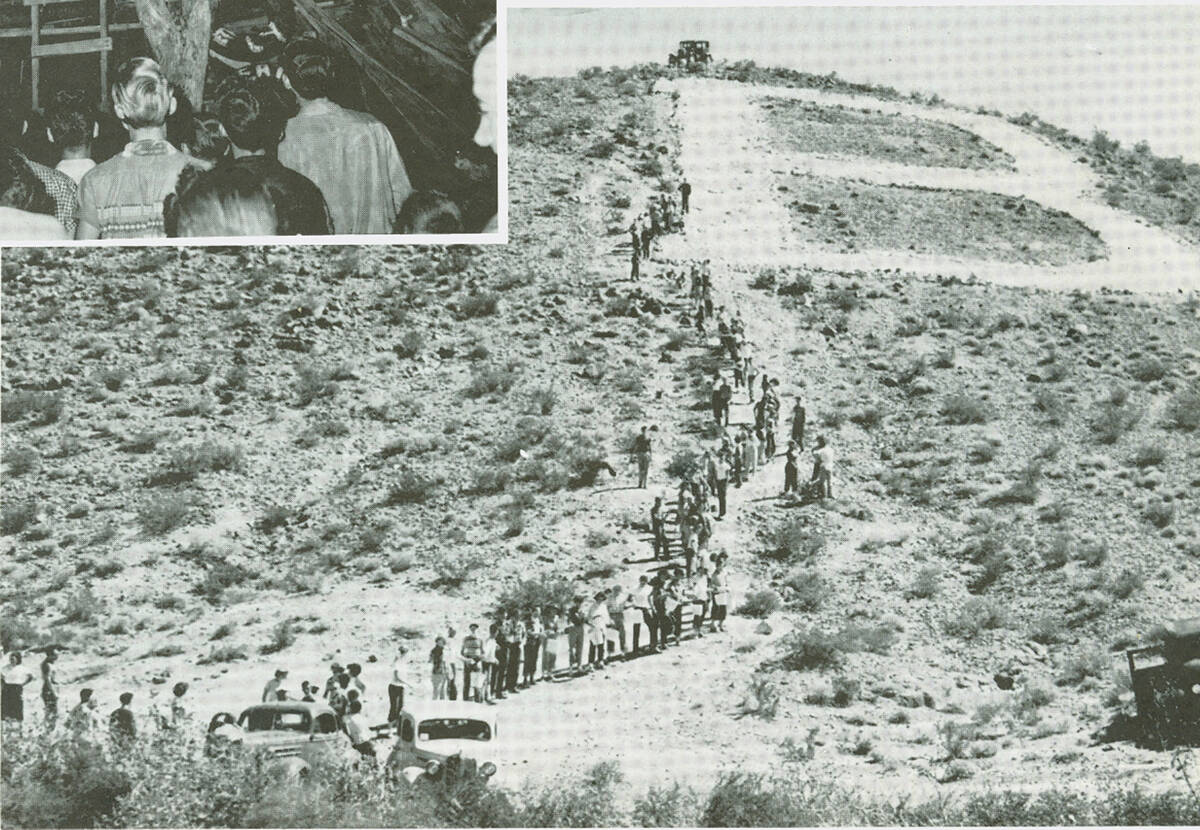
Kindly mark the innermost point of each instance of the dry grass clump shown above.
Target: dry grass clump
(162, 514)
(40, 408)
(977, 615)
(760, 604)
(962, 409)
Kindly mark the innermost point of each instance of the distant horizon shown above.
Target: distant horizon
(1131, 71)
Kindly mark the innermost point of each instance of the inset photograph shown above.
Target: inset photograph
(226, 120)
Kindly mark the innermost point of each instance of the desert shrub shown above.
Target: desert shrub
(223, 654)
(808, 589)
(910, 326)
(1159, 513)
(962, 409)
(185, 463)
(1126, 583)
(845, 690)
(760, 604)
(944, 358)
(1030, 700)
(1081, 665)
(83, 607)
(409, 487)
(811, 648)
(478, 305)
(451, 570)
(684, 464)
(1110, 420)
(1024, 490)
(274, 517)
(107, 567)
(678, 340)
(1093, 553)
(602, 149)
(762, 698)
(409, 344)
(844, 299)
(982, 452)
(799, 285)
(926, 583)
(16, 516)
(491, 479)
(283, 635)
(1059, 552)
(162, 514)
(21, 459)
(1048, 629)
(793, 540)
(43, 408)
(542, 400)
(1182, 411)
(868, 417)
(313, 381)
(977, 615)
(141, 442)
(765, 279)
(220, 576)
(1147, 369)
(1053, 405)
(1149, 455)
(674, 806)
(590, 802)
(1104, 144)
(490, 380)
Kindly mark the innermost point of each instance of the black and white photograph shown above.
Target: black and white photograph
(821, 447)
(131, 120)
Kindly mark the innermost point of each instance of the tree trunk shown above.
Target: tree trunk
(178, 33)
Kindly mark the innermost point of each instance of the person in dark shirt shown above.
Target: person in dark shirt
(641, 452)
(254, 113)
(121, 722)
(685, 193)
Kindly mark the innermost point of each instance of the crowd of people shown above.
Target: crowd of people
(663, 214)
(86, 719)
(276, 156)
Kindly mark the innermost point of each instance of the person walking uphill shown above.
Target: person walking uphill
(799, 415)
(641, 453)
(685, 195)
(658, 528)
(719, 472)
(823, 469)
(635, 265)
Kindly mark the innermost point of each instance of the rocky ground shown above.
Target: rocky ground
(219, 462)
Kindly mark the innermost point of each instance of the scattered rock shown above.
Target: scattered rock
(763, 628)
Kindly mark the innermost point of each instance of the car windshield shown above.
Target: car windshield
(269, 720)
(436, 729)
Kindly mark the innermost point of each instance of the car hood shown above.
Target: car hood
(481, 751)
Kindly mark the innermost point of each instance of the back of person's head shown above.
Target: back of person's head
(126, 698)
(355, 707)
(71, 118)
(208, 142)
(19, 187)
(85, 695)
(223, 201)
(141, 94)
(429, 211)
(254, 112)
(179, 689)
(309, 67)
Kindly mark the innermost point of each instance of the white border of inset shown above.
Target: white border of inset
(499, 237)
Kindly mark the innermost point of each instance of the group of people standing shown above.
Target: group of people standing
(84, 720)
(663, 214)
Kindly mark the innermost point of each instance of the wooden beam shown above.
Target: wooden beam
(49, 2)
(25, 31)
(73, 47)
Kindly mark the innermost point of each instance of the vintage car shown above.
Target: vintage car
(295, 735)
(445, 741)
(1165, 678)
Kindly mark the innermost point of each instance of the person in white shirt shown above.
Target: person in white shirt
(823, 469)
(489, 660)
(396, 687)
(16, 676)
(354, 729)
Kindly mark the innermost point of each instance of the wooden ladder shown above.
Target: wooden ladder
(101, 43)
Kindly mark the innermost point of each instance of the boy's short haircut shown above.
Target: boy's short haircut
(71, 117)
(308, 65)
(429, 211)
(254, 113)
(208, 143)
(142, 92)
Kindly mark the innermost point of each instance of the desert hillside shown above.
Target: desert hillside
(218, 462)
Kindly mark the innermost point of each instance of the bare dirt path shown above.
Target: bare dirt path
(738, 216)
